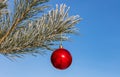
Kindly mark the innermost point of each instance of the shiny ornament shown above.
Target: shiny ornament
(61, 58)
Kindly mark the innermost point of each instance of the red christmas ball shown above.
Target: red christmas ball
(61, 58)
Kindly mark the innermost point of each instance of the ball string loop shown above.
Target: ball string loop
(61, 40)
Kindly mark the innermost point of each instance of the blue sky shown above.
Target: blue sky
(96, 52)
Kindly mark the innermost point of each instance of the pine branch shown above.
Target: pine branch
(23, 15)
(25, 36)
(3, 17)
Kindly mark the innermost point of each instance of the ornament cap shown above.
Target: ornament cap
(61, 46)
